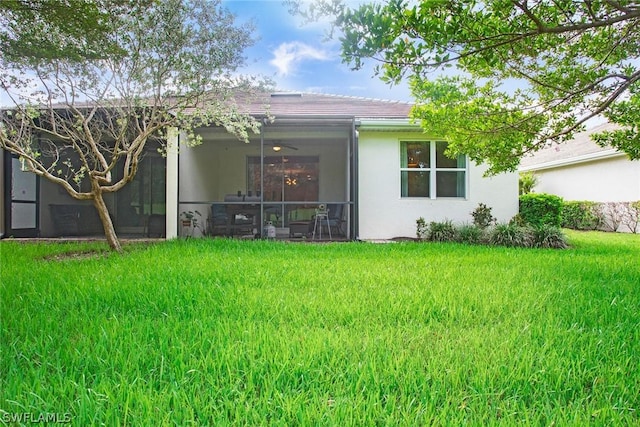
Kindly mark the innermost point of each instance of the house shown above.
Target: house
(582, 170)
(362, 159)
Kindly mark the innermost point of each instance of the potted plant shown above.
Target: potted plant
(190, 220)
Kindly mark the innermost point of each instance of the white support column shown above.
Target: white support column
(2, 154)
(173, 144)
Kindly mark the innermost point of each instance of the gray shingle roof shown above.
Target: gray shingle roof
(292, 104)
(581, 145)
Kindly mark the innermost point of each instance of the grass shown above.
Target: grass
(226, 332)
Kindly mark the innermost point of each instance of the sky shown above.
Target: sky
(297, 56)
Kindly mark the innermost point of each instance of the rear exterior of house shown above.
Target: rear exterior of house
(360, 161)
(582, 170)
(362, 158)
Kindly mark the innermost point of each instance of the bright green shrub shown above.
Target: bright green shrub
(526, 182)
(541, 209)
(582, 215)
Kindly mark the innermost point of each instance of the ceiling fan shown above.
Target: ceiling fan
(277, 146)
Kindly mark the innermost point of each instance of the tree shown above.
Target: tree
(527, 73)
(36, 29)
(76, 122)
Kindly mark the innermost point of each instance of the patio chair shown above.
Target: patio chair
(218, 220)
(336, 211)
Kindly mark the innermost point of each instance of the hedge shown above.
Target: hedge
(538, 209)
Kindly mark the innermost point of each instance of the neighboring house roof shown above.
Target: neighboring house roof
(580, 149)
(295, 104)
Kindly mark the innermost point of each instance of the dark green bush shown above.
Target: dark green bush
(511, 235)
(541, 209)
(482, 216)
(422, 228)
(517, 220)
(471, 233)
(582, 215)
(443, 231)
(548, 236)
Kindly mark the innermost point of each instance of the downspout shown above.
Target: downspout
(355, 232)
(261, 225)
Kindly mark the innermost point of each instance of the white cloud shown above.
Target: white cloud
(287, 56)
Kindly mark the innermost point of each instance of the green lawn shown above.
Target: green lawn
(215, 332)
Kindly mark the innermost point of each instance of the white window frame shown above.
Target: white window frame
(433, 170)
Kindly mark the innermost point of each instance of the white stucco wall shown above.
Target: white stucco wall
(615, 179)
(383, 214)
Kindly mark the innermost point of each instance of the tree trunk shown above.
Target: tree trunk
(107, 224)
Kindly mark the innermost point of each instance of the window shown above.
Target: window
(425, 171)
(145, 195)
(286, 178)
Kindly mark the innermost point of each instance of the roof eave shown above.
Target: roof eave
(387, 124)
(600, 155)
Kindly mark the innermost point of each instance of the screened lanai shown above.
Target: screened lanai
(275, 185)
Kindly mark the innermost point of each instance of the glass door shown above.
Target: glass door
(23, 212)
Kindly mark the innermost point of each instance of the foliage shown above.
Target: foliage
(526, 182)
(614, 214)
(511, 235)
(632, 216)
(272, 333)
(527, 72)
(194, 218)
(422, 229)
(582, 215)
(518, 220)
(517, 233)
(482, 216)
(85, 123)
(541, 209)
(443, 231)
(611, 216)
(471, 234)
(190, 215)
(548, 236)
(41, 30)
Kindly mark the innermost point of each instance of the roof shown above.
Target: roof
(580, 149)
(296, 104)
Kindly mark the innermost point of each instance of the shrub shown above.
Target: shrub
(511, 235)
(632, 216)
(422, 229)
(471, 233)
(582, 215)
(548, 236)
(443, 231)
(482, 216)
(517, 220)
(526, 182)
(541, 209)
(614, 215)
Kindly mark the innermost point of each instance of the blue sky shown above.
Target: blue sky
(298, 57)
